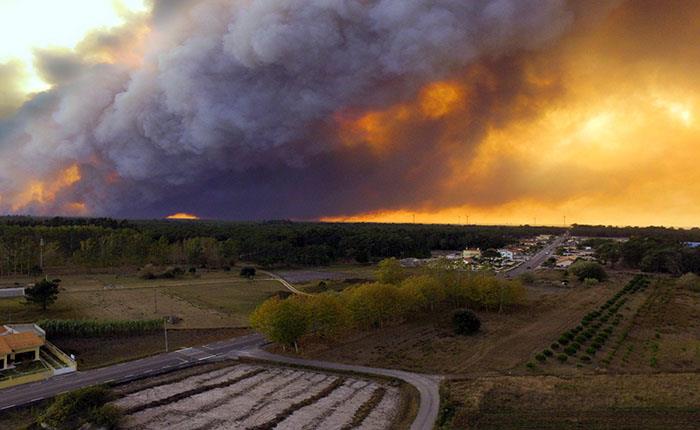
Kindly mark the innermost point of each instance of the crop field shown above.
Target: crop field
(217, 299)
(247, 396)
(629, 401)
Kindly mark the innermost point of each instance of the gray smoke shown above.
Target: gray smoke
(234, 101)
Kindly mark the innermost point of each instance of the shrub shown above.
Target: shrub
(588, 270)
(590, 281)
(530, 365)
(576, 345)
(586, 358)
(591, 350)
(581, 339)
(465, 322)
(562, 357)
(548, 352)
(689, 281)
(569, 350)
(555, 345)
(78, 408)
(540, 357)
(248, 272)
(597, 345)
(563, 341)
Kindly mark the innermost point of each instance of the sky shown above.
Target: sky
(488, 112)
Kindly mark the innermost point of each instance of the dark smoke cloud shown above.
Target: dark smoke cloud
(232, 110)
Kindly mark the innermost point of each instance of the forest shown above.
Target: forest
(26, 243)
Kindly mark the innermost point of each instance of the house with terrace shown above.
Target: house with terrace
(19, 344)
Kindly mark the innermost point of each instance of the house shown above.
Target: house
(564, 262)
(471, 253)
(506, 253)
(20, 343)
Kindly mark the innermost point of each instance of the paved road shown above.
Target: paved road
(30, 393)
(428, 386)
(536, 259)
(246, 346)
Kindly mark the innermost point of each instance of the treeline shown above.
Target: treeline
(111, 243)
(658, 233)
(394, 299)
(649, 254)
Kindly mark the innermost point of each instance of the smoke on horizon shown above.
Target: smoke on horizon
(305, 109)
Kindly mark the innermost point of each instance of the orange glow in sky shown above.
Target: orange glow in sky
(182, 216)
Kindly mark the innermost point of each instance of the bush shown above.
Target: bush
(588, 270)
(527, 278)
(591, 350)
(540, 357)
(586, 358)
(555, 345)
(78, 408)
(562, 357)
(548, 352)
(689, 281)
(248, 272)
(597, 345)
(563, 341)
(590, 281)
(465, 322)
(570, 350)
(530, 365)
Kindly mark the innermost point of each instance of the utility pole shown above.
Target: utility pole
(155, 301)
(564, 220)
(414, 218)
(165, 330)
(41, 254)
(467, 219)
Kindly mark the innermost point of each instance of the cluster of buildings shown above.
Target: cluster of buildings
(499, 260)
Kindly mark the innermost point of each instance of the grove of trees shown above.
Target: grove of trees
(373, 305)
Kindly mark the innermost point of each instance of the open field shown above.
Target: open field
(642, 401)
(249, 396)
(505, 342)
(212, 299)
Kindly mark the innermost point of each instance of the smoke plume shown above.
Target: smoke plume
(285, 108)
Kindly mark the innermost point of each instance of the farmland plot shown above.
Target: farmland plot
(250, 396)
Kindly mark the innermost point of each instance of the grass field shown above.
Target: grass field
(214, 299)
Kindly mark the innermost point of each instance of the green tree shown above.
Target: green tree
(43, 293)
(248, 272)
(465, 322)
(389, 271)
(588, 269)
(282, 321)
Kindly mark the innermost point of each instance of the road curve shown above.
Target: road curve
(245, 346)
(34, 392)
(428, 386)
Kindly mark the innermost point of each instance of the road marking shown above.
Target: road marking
(205, 358)
(7, 407)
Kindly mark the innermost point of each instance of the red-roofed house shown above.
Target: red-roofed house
(19, 344)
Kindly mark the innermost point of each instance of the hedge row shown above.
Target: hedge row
(98, 328)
